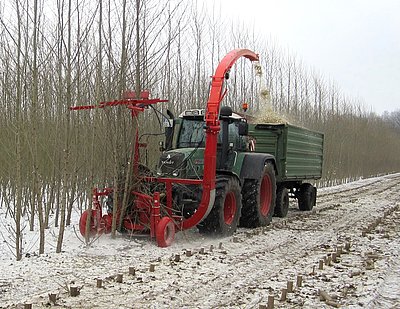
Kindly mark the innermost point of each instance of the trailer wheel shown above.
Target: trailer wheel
(307, 196)
(224, 216)
(259, 199)
(282, 202)
(165, 232)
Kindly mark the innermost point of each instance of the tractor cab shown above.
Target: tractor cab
(184, 155)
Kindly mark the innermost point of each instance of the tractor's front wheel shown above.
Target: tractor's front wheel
(225, 214)
(259, 199)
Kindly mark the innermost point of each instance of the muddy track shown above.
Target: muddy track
(334, 199)
(379, 184)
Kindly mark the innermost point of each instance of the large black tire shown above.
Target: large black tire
(223, 218)
(259, 199)
(282, 202)
(306, 196)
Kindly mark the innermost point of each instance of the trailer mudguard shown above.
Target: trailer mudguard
(253, 165)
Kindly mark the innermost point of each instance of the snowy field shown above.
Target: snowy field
(358, 222)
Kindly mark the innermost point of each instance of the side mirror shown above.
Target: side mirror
(243, 129)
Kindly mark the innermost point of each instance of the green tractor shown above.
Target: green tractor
(245, 180)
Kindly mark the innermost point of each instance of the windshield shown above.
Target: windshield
(191, 134)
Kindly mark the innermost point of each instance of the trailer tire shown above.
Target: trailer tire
(223, 218)
(165, 232)
(282, 202)
(259, 199)
(306, 196)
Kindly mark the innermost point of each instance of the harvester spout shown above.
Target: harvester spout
(212, 130)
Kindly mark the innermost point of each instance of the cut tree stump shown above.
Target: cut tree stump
(74, 291)
(283, 295)
(53, 298)
(334, 257)
(271, 300)
(290, 286)
(329, 261)
(313, 270)
(299, 282)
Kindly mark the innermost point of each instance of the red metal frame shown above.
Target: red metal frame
(148, 207)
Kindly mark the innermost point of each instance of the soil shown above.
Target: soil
(352, 234)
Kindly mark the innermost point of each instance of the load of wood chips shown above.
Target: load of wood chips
(268, 115)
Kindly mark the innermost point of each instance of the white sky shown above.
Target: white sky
(354, 42)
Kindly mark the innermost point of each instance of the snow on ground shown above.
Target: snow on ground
(238, 272)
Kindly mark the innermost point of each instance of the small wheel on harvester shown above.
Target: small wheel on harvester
(165, 232)
(282, 202)
(307, 196)
(259, 199)
(223, 218)
(84, 220)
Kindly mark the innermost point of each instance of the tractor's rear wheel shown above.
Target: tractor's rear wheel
(282, 202)
(259, 199)
(165, 232)
(306, 196)
(224, 216)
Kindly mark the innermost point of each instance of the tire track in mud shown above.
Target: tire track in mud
(351, 195)
(377, 185)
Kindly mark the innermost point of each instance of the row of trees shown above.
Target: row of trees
(56, 54)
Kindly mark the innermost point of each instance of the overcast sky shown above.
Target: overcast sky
(354, 42)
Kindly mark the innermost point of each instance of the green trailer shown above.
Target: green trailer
(298, 156)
